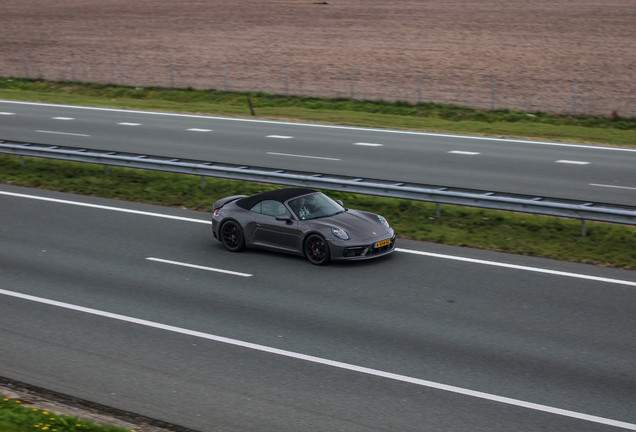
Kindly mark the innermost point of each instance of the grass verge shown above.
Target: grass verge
(541, 236)
(430, 116)
(15, 417)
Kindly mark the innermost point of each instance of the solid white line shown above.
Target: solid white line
(572, 162)
(102, 207)
(279, 136)
(519, 267)
(62, 118)
(327, 362)
(316, 125)
(464, 152)
(368, 144)
(200, 130)
(62, 133)
(302, 156)
(212, 269)
(612, 186)
(6, 113)
(129, 124)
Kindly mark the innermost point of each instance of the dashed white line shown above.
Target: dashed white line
(612, 186)
(212, 269)
(129, 124)
(200, 130)
(6, 113)
(326, 362)
(572, 162)
(302, 156)
(279, 136)
(464, 152)
(62, 133)
(62, 118)
(368, 144)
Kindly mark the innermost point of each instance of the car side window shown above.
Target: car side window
(256, 208)
(274, 208)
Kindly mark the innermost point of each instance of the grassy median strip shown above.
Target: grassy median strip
(541, 236)
(15, 417)
(429, 116)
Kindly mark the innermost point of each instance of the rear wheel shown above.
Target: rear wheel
(317, 250)
(232, 236)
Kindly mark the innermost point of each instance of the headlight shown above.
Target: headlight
(383, 221)
(340, 233)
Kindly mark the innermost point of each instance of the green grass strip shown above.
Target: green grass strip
(541, 236)
(15, 417)
(428, 116)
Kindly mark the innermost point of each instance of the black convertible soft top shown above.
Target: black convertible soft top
(281, 195)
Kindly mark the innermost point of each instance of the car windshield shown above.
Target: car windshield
(314, 206)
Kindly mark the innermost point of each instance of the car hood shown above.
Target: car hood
(358, 224)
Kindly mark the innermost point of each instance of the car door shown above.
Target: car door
(274, 233)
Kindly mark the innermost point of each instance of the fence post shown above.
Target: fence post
(419, 88)
(492, 92)
(26, 66)
(121, 72)
(225, 75)
(172, 75)
(574, 97)
(351, 83)
(286, 82)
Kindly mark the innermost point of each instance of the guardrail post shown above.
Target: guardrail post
(21, 160)
(438, 210)
(583, 228)
(106, 171)
(202, 182)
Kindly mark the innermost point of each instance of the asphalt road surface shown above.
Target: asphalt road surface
(137, 307)
(561, 170)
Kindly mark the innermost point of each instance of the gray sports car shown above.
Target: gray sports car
(302, 222)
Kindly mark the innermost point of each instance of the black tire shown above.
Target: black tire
(317, 250)
(232, 236)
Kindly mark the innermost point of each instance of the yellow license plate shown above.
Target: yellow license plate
(382, 243)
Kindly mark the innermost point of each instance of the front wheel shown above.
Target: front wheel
(232, 236)
(317, 250)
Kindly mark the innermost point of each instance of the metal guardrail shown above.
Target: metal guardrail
(574, 209)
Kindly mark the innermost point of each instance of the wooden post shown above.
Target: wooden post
(249, 101)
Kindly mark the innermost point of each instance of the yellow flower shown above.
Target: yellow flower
(45, 413)
(35, 409)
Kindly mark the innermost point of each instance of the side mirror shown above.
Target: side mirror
(340, 203)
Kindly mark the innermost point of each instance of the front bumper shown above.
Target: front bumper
(343, 251)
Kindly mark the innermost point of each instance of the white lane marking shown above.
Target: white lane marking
(519, 267)
(129, 124)
(572, 162)
(102, 207)
(326, 362)
(368, 144)
(62, 133)
(612, 186)
(279, 136)
(302, 156)
(415, 252)
(200, 130)
(6, 113)
(464, 152)
(212, 269)
(315, 125)
(62, 118)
